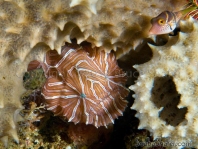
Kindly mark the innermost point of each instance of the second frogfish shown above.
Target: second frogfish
(167, 21)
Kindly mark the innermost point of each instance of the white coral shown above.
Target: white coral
(174, 64)
(28, 28)
(90, 4)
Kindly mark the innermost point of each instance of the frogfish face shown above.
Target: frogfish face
(164, 23)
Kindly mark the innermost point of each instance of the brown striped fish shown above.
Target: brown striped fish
(167, 21)
(164, 23)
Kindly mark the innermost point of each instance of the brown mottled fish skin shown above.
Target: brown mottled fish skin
(165, 22)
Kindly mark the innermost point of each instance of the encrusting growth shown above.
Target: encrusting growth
(166, 90)
(84, 85)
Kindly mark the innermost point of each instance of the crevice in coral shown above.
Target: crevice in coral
(76, 33)
(142, 55)
(164, 94)
(36, 50)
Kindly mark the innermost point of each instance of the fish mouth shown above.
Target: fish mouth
(151, 32)
(154, 32)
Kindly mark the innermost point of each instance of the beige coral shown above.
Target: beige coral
(28, 28)
(166, 90)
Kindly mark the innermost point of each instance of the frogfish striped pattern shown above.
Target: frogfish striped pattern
(193, 13)
(84, 85)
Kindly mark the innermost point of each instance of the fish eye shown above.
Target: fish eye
(161, 21)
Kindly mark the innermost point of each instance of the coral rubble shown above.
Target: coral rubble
(88, 135)
(166, 90)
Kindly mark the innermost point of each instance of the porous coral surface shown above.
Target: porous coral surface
(166, 90)
(28, 28)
